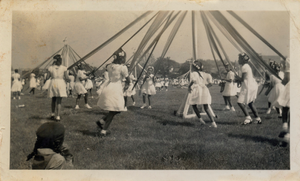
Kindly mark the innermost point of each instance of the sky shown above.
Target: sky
(36, 35)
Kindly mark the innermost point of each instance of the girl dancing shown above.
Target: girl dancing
(229, 89)
(199, 93)
(79, 87)
(111, 98)
(57, 87)
(248, 91)
(16, 84)
(148, 88)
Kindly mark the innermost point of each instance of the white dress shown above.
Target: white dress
(130, 92)
(104, 82)
(230, 87)
(88, 84)
(78, 86)
(277, 89)
(46, 85)
(249, 86)
(284, 98)
(148, 86)
(200, 93)
(57, 86)
(71, 83)
(157, 83)
(111, 98)
(16, 84)
(32, 83)
(166, 82)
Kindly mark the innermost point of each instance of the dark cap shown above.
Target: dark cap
(51, 130)
(57, 57)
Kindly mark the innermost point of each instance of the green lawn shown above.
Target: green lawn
(154, 138)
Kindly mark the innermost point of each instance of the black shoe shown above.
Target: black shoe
(282, 134)
(52, 117)
(99, 124)
(283, 144)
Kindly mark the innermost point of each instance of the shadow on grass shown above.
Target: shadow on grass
(88, 133)
(174, 123)
(39, 117)
(90, 111)
(167, 121)
(69, 107)
(271, 141)
(228, 123)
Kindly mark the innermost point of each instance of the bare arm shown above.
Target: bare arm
(67, 76)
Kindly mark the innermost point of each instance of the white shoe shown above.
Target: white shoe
(144, 105)
(286, 137)
(76, 107)
(14, 98)
(269, 111)
(149, 107)
(57, 118)
(258, 120)
(213, 124)
(19, 97)
(88, 106)
(232, 109)
(133, 103)
(103, 132)
(285, 127)
(226, 108)
(248, 120)
(201, 121)
(125, 108)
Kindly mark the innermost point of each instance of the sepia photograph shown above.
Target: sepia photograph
(151, 89)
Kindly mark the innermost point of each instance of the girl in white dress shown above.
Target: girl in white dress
(89, 86)
(148, 88)
(166, 83)
(79, 87)
(129, 92)
(57, 88)
(248, 91)
(277, 89)
(199, 93)
(157, 84)
(111, 98)
(32, 83)
(229, 89)
(71, 84)
(16, 84)
(283, 101)
(162, 83)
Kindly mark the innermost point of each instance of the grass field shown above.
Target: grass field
(154, 138)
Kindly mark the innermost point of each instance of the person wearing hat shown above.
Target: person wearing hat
(148, 88)
(229, 89)
(111, 98)
(57, 87)
(248, 91)
(79, 86)
(48, 152)
(199, 93)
